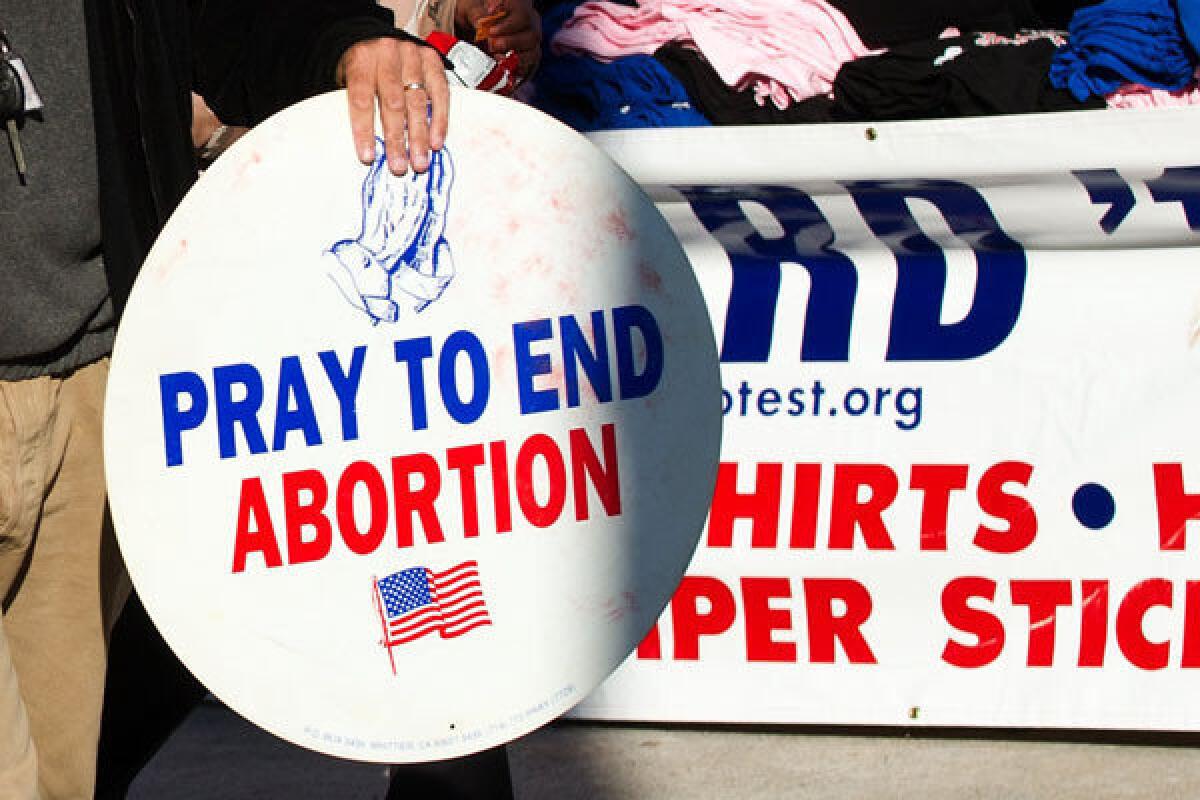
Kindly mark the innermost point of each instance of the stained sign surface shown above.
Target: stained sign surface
(403, 467)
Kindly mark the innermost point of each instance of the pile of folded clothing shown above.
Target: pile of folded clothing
(658, 63)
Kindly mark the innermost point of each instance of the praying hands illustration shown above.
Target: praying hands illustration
(401, 258)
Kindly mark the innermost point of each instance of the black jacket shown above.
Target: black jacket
(248, 58)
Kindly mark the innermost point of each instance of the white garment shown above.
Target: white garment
(420, 17)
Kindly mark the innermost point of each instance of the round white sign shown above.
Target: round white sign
(403, 467)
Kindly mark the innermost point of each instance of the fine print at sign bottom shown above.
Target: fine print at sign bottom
(400, 474)
(499, 730)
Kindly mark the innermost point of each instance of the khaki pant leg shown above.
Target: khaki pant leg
(56, 622)
(18, 762)
(25, 410)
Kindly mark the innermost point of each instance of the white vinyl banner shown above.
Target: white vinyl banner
(960, 472)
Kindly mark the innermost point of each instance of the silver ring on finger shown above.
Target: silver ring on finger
(414, 86)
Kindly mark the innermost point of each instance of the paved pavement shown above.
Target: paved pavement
(218, 755)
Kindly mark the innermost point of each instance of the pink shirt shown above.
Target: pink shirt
(785, 50)
(1134, 95)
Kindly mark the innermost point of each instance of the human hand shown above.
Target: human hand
(505, 25)
(401, 254)
(410, 83)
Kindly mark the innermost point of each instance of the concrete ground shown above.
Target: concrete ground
(218, 755)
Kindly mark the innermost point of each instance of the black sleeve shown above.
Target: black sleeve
(886, 24)
(255, 57)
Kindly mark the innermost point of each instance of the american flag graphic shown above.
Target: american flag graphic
(417, 601)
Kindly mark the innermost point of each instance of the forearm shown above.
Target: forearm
(255, 58)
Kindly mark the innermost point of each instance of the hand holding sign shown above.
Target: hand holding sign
(408, 83)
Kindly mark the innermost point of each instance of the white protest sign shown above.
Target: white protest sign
(403, 467)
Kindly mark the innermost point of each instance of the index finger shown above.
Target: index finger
(510, 23)
(360, 97)
(485, 25)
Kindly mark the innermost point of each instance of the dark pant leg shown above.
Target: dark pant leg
(483, 776)
(147, 695)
